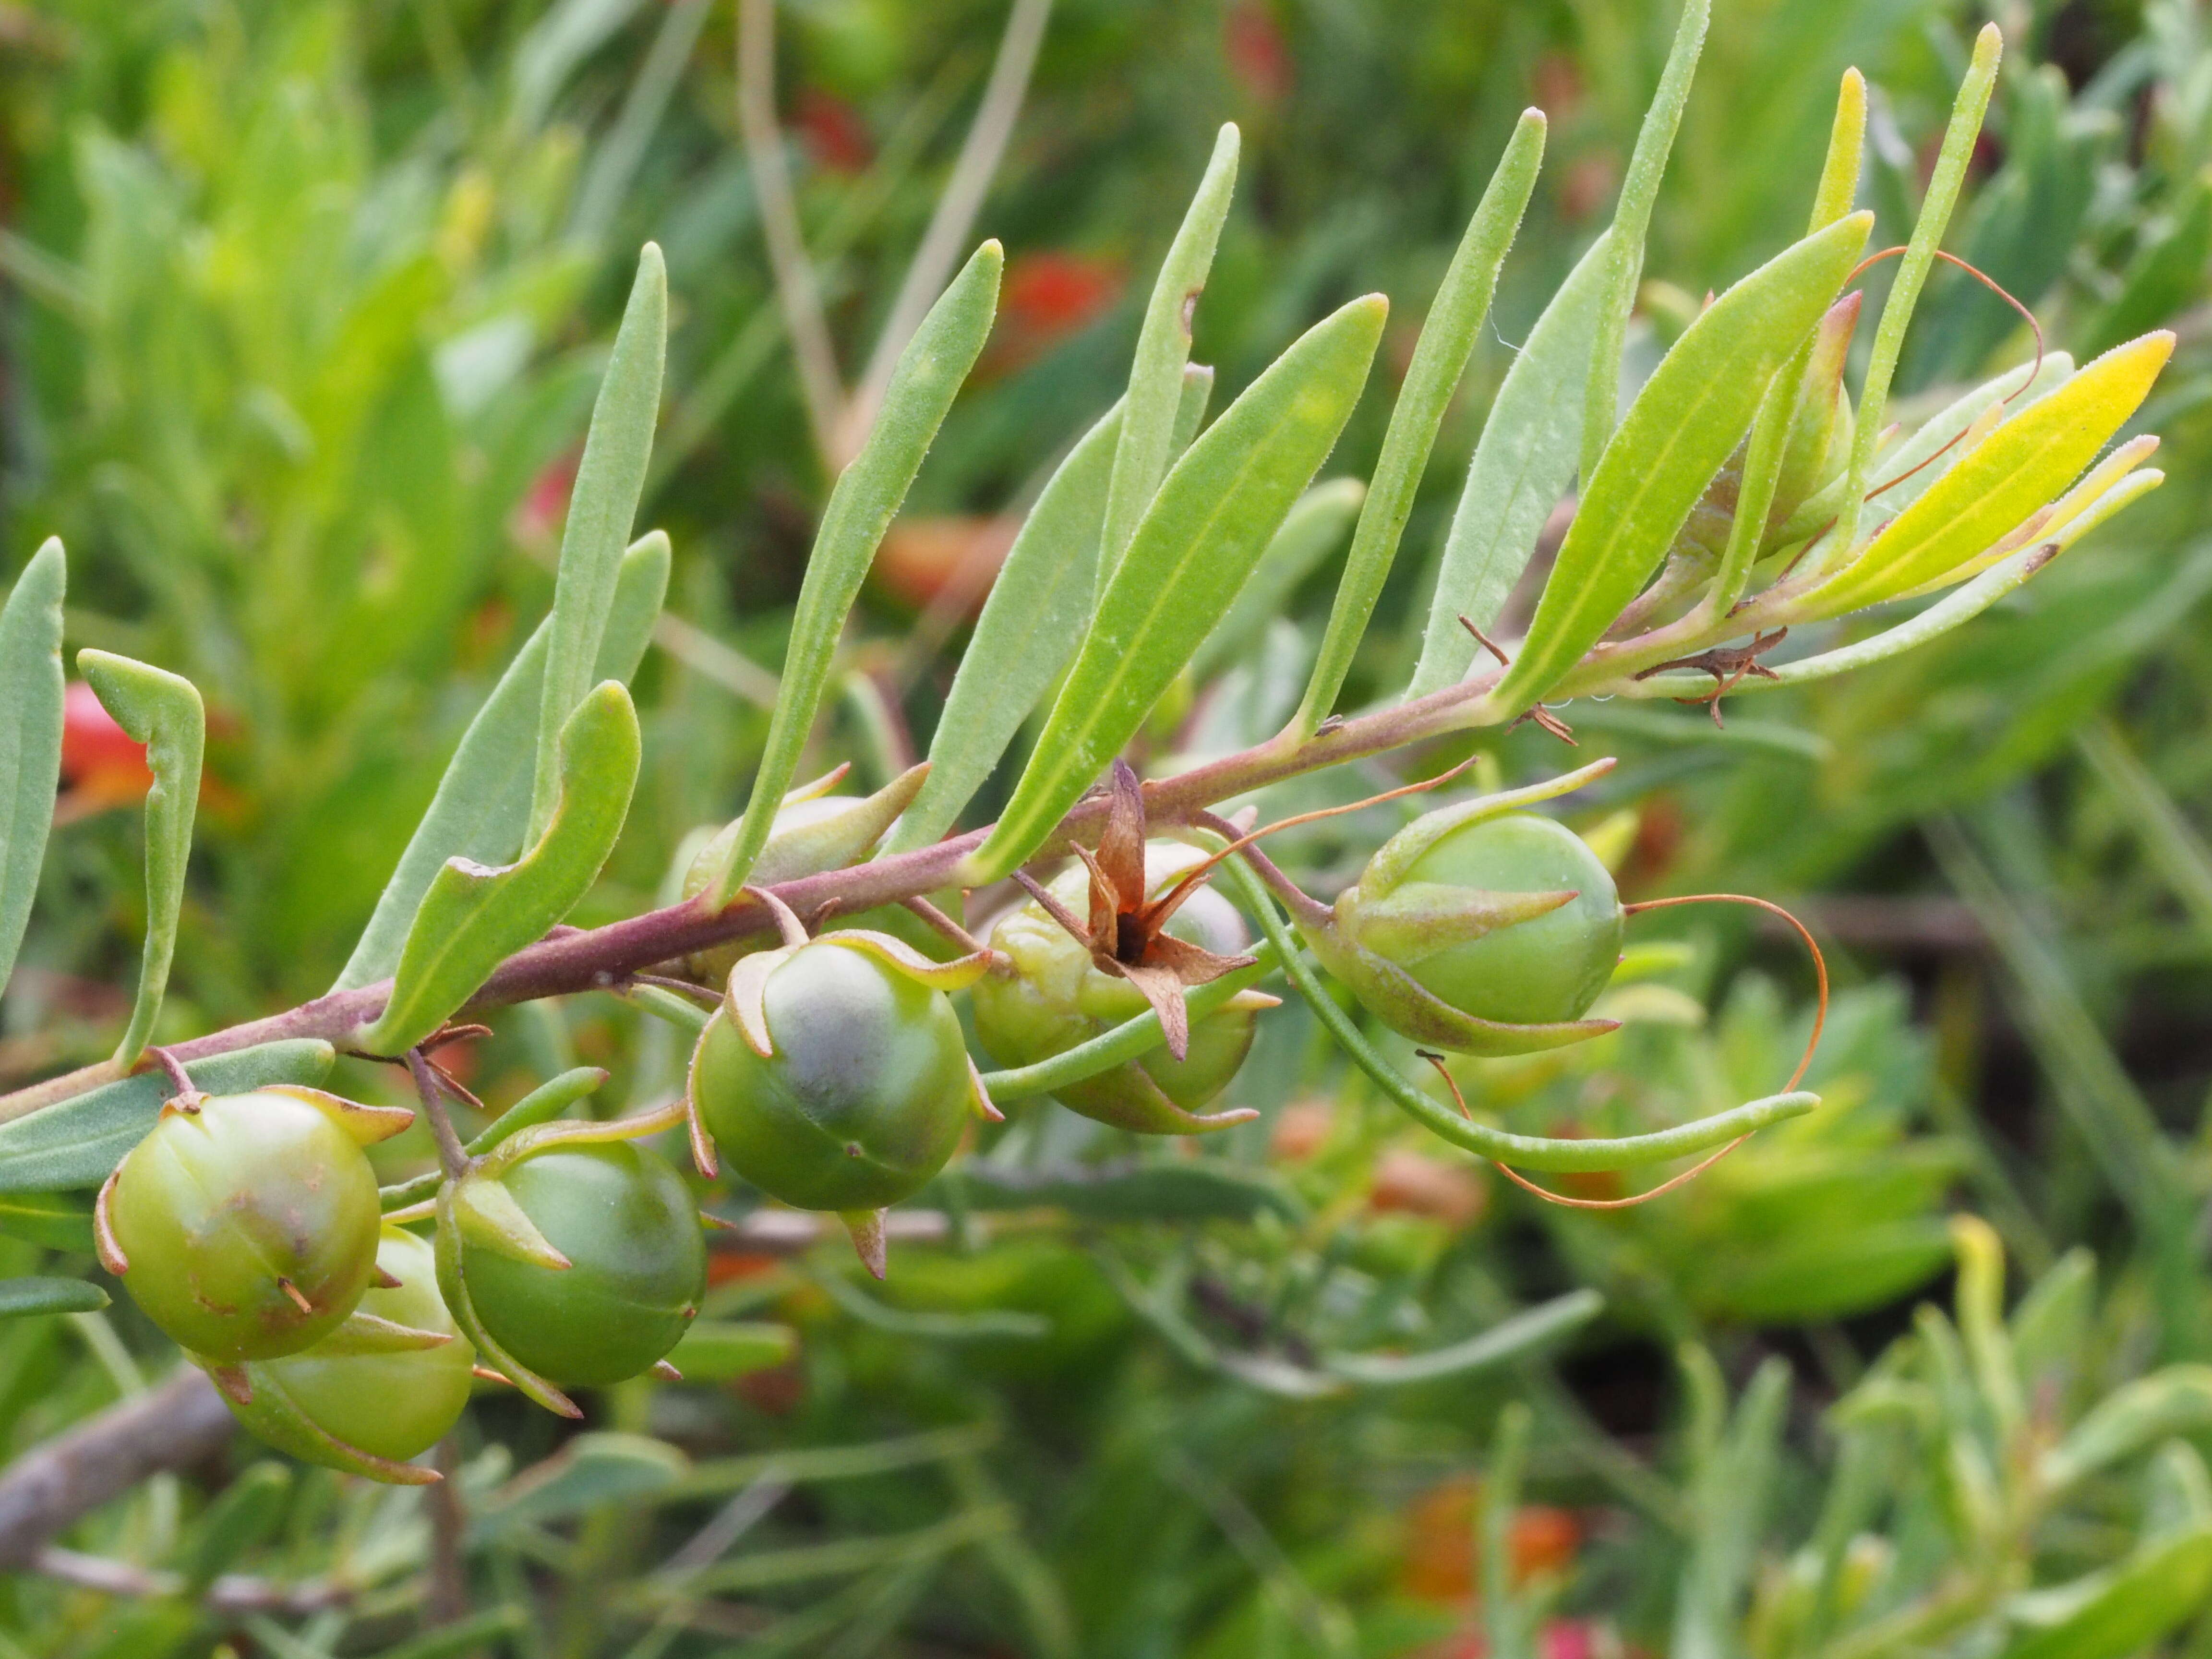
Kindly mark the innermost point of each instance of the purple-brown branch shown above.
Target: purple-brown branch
(573, 960)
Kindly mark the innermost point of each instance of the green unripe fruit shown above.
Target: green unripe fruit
(245, 1225)
(352, 1393)
(1057, 997)
(865, 1091)
(1550, 968)
(627, 1225)
(1477, 928)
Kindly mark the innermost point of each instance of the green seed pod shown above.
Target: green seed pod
(835, 1077)
(582, 1261)
(813, 832)
(383, 1388)
(1058, 997)
(245, 1225)
(1478, 928)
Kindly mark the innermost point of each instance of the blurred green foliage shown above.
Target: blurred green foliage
(305, 305)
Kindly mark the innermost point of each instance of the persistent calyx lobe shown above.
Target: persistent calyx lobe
(1478, 928)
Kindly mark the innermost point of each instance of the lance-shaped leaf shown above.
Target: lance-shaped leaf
(60, 1221)
(609, 480)
(1207, 529)
(1145, 443)
(1508, 1340)
(25, 1297)
(1523, 462)
(1314, 530)
(162, 711)
(474, 916)
(1944, 182)
(867, 496)
(1683, 425)
(2127, 1608)
(1029, 626)
(2132, 1417)
(2022, 464)
(1032, 622)
(77, 1142)
(1624, 242)
(482, 810)
(1446, 338)
(30, 736)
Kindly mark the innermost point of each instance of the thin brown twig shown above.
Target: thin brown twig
(452, 1156)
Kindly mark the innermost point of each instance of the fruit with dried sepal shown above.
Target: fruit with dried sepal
(382, 1389)
(570, 1257)
(1133, 928)
(245, 1225)
(834, 1077)
(1478, 927)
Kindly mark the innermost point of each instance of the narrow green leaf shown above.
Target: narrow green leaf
(1134, 1189)
(1839, 169)
(2124, 1609)
(26, 1297)
(1943, 195)
(1029, 626)
(162, 711)
(1145, 448)
(482, 808)
(1208, 526)
(1439, 358)
(722, 1350)
(76, 1143)
(473, 916)
(868, 493)
(2166, 276)
(60, 1221)
(1508, 1340)
(609, 480)
(242, 1518)
(1313, 531)
(1523, 462)
(1683, 425)
(592, 1470)
(2132, 1417)
(1624, 242)
(30, 736)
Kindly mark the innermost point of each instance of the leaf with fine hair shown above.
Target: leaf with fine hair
(1208, 526)
(1944, 183)
(2021, 466)
(481, 809)
(21, 1299)
(31, 693)
(610, 479)
(76, 1143)
(1144, 447)
(1440, 357)
(1624, 242)
(473, 917)
(1029, 626)
(162, 711)
(1523, 463)
(868, 495)
(1683, 425)
(1314, 530)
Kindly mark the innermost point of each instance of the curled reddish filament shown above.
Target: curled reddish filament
(1804, 1063)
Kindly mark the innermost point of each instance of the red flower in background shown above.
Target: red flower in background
(1047, 295)
(100, 763)
(836, 136)
(1258, 55)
